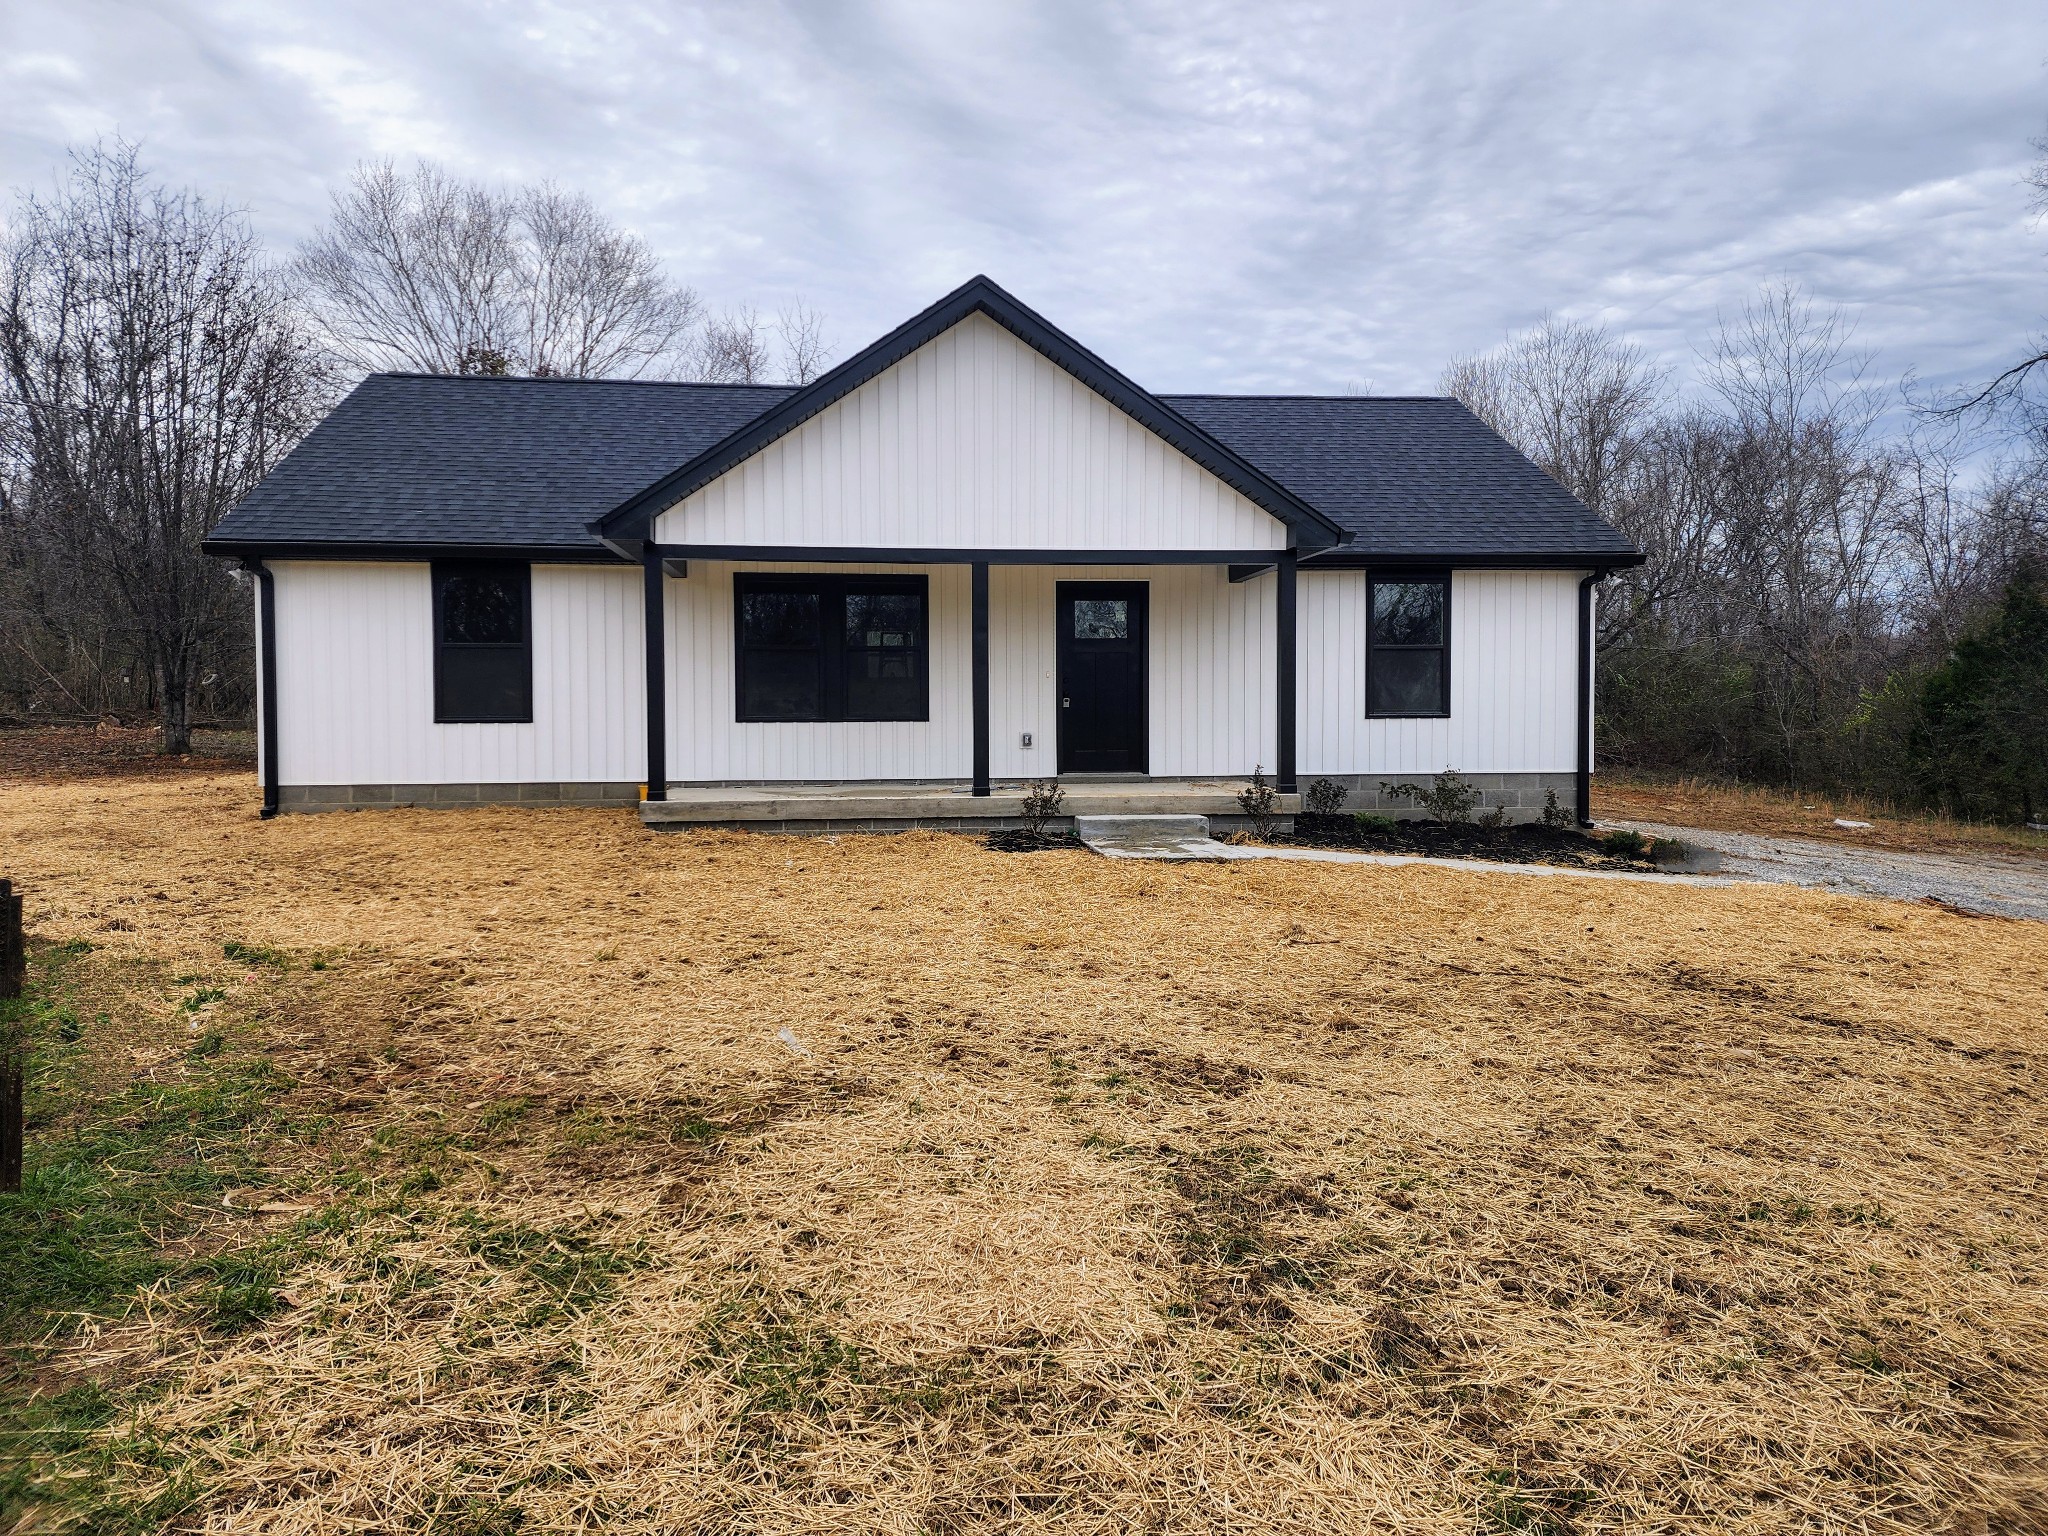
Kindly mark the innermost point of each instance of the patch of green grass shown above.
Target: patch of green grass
(108, 1179)
(69, 1456)
(98, 1198)
(201, 998)
(782, 1365)
(475, 1514)
(501, 1114)
(256, 954)
(574, 1270)
(240, 1290)
(1510, 1507)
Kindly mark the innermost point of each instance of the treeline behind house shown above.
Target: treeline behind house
(156, 361)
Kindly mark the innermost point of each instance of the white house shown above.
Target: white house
(970, 556)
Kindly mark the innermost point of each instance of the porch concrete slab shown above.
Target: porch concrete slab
(690, 804)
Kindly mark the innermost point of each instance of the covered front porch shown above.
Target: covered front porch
(1207, 639)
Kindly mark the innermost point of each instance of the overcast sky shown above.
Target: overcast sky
(1235, 196)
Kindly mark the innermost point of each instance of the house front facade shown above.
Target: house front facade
(974, 555)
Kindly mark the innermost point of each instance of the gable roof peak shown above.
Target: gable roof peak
(631, 521)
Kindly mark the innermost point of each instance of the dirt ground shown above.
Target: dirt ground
(658, 1182)
(71, 752)
(1998, 883)
(1733, 808)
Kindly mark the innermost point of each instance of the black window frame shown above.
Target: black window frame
(1374, 582)
(452, 712)
(832, 591)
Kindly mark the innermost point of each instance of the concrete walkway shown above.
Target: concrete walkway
(1186, 839)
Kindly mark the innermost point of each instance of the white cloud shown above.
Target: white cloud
(1214, 195)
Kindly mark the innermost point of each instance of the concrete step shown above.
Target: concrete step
(1173, 838)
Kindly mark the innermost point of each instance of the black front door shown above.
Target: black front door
(1102, 676)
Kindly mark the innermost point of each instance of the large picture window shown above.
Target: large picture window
(1408, 647)
(831, 647)
(483, 642)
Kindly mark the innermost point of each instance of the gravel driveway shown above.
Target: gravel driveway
(2010, 885)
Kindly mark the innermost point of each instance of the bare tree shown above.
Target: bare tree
(1572, 396)
(154, 370)
(733, 349)
(805, 351)
(738, 347)
(1585, 406)
(422, 270)
(2016, 394)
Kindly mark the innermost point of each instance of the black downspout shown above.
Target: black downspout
(1283, 675)
(656, 626)
(980, 628)
(266, 692)
(1585, 785)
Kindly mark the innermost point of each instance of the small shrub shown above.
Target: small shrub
(1624, 844)
(1447, 798)
(1257, 800)
(1668, 850)
(1555, 816)
(1042, 801)
(1492, 820)
(1325, 797)
(1372, 824)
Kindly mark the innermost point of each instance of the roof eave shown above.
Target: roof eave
(1359, 557)
(403, 550)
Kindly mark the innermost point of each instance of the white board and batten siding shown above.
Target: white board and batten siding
(355, 662)
(356, 669)
(1514, 683)
(973, 441)
(1210, 663)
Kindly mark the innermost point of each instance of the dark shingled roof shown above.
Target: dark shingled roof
(431, 460)
(442, 464)
(1407, 478)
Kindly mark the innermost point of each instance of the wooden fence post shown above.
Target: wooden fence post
(13, 972)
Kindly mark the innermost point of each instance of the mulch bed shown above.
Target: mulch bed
(1530, 843)
(1024, 840)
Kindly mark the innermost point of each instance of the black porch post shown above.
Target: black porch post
(1584, 776)
(1283, 682)
(657, 676)
(266, 643)
(980, 583)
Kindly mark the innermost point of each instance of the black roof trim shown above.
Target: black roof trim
(880, 554)
(536, 554)
(1352, 558)
(631, 520)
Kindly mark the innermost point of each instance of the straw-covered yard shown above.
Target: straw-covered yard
(504, 1169)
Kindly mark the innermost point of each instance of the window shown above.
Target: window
(483, 642)
(1102, 618)
(831, 647)
(1408, 647)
